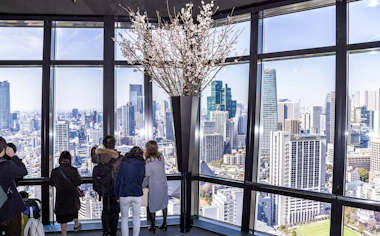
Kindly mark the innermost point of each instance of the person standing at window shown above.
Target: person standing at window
(128, 187)
(66, 179)
(11, 204)
(156, 180)
(108, 160)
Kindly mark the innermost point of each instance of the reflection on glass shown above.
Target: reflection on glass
(163, 128)
(78, 122)
(221, 203)
(129, 117)
(297, 123)
(364, 21)
(224, 107)
(21, 43)
(79, 44)
(282, 215)
(301, 30)
(20, 114)
(359, 222)
(363, 150)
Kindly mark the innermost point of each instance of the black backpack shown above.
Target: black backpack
(35, 204)
(103, 181)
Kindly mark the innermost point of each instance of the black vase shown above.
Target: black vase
(185, 118)
(185, 110)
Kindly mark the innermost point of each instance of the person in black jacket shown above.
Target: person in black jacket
(10, 212)
(66, 179)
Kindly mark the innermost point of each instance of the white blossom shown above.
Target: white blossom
(181, 55)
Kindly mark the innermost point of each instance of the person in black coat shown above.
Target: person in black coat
(66, 179)
(10, 211)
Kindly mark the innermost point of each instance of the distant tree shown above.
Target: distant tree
(364, 174)
(294, 233)
(360, 229)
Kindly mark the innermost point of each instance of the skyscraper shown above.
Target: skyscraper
(220, 118)
(128, 120)
(302, 168)
(215, 100)
(61, 137)
(328, 116)
(164, 107)
(306, 121)
(5, 105)
(292, 126)
(75, 113)
(169, 126)
(213, 147)
(221, 100)
(315, 122)
(136, 97)
(269, 116)
(332, 119)
(288, 110)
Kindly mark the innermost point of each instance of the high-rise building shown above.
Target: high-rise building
(128, 120)
(306, 121)
(328, 116)
(315, 121)
(292, 126)
(169, 126)
(322, 131)
(75, 113)
(215, 100)
(366, 126)
(220, 100)
(366, 98)
(164, 107)
(376, 123)
(375, 155)
(288, 110)
(229, 204)
(208, 127)
(61, 137)
(220, 118)
(279, 126)
(269, 116)
(297, 161)
(213, 147)
(136, 97)
(5, 105)
(230, 135)
(94, 135)
(242, 123)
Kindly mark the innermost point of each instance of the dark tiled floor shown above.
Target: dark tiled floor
(172, 231)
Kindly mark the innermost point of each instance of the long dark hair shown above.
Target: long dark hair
(152, 152)
(65, 158)
(135, 153)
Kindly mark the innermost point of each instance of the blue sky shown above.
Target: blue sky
(307, 79)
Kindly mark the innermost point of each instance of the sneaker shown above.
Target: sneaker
(78, 228)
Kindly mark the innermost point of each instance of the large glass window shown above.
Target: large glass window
(363, 150)
(282, 215)
(21, 40)
(224, 106)
(163, 131)
(79, 41)
(297, 123)
(78, 124)
(20, 114)
(364, 21)
(221, 203)
(129, 117)
(301, 30)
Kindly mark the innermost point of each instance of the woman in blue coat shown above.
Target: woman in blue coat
(156, 181)
(128, 187)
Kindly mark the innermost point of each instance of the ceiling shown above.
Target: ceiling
(106, 7)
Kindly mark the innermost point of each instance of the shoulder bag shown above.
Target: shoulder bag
(80, 192)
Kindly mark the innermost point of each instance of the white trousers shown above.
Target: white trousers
(125, 204)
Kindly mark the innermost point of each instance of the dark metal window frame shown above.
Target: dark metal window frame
(250, 185)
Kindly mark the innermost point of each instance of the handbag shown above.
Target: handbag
(144, 202)
(80, 191)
